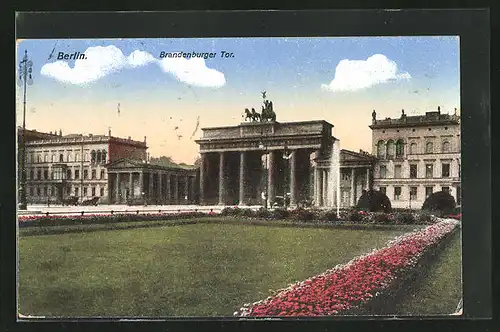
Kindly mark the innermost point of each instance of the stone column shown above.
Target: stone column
(353, 183)
(176, 189)
(150, 191)
(202, 178)
(169, 191)
(117, 188)
(368, 178)
(324, 189)
(186, 189)
(293, 184)
(109, 189)
(222, 184)
(242, 177)
(271, 170)
(131, 185)
(160, 191)
(141, 183)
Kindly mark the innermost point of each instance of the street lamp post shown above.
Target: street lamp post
(25, 69)
(263, 146)
(286, 156)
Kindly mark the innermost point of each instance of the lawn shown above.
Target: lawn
(441, 288)
(185, 270)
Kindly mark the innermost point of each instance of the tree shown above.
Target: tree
(162, 161)
(374, 201)
(440, 202)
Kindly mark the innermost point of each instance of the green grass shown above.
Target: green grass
(441, 288)
(187, 270)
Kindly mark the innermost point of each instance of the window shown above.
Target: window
(85, 173)
(61, 158)
(68, 174)
(77, 191)
(446, 146)
(102, 174)
(429, 171)
(413, 193)
(85, 191)
(46, 174)
(39, 174)
(445, 189)
(397, 193)
(413, 171)
(45, 158)
(93, 174)
(93, 191)
(102, 191)
(429, 147)
(53, 158)
(46, 190)
(103, 157)
(380, 149)
(413, 148)
(77, 174)
(69, 157)
(39, 158)
(383, 190)
(445, 170)
(428, 191)
(397, 171)
(383, 171)
(92, 156)
(98, 157)
(390, 149)
(52, 175)
(30, 190)
(38, 191)
(400, 148)
(77, 157)
(32, 174)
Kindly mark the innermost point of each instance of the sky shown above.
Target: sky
(125, 85)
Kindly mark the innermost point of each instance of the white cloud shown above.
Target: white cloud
(193, 71)
(99, 62)
(352, 75)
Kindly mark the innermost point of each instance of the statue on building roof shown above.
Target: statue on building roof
(374, 115)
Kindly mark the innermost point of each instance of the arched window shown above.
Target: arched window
(390, 149)
(446, 146)
(98, 156)
(429, 147)
(92, 156)
(380, 149)
(413, 148)
(400, 148)
(104, 160)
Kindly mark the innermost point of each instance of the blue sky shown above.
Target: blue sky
(155, 96)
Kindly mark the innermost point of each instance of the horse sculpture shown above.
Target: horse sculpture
(267, 112)
(252, 115)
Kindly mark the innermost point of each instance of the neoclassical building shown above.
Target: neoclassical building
(241, 163)
(416, 156)
(111, 168)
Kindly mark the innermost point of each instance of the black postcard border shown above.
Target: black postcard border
(472, 25)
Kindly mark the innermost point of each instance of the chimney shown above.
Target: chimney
(109, 132)
(144, 139)
(60, 132)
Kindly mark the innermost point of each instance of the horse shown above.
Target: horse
(248, 115)
(255, 116)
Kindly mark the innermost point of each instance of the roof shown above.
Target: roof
(133, 163)
(430, 118)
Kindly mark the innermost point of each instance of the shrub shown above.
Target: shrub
(249, 213)
(355, 215)
(329, 215)
(227, 211)
(301, 214)
(280, 213)
(380, 218)
(374, 201)
(425, 218)
(405, 218)
(440, 202)
(263, 213)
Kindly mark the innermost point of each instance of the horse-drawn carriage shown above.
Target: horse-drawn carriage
(71, 200)
(91, 201)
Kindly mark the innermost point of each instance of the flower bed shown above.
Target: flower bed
(97, 218)
(350, 288)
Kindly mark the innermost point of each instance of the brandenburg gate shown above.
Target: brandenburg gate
(240, 165)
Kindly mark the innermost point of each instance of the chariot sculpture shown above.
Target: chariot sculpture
(267, 114)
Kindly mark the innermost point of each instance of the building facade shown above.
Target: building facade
(74, 165)
(416, 156)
